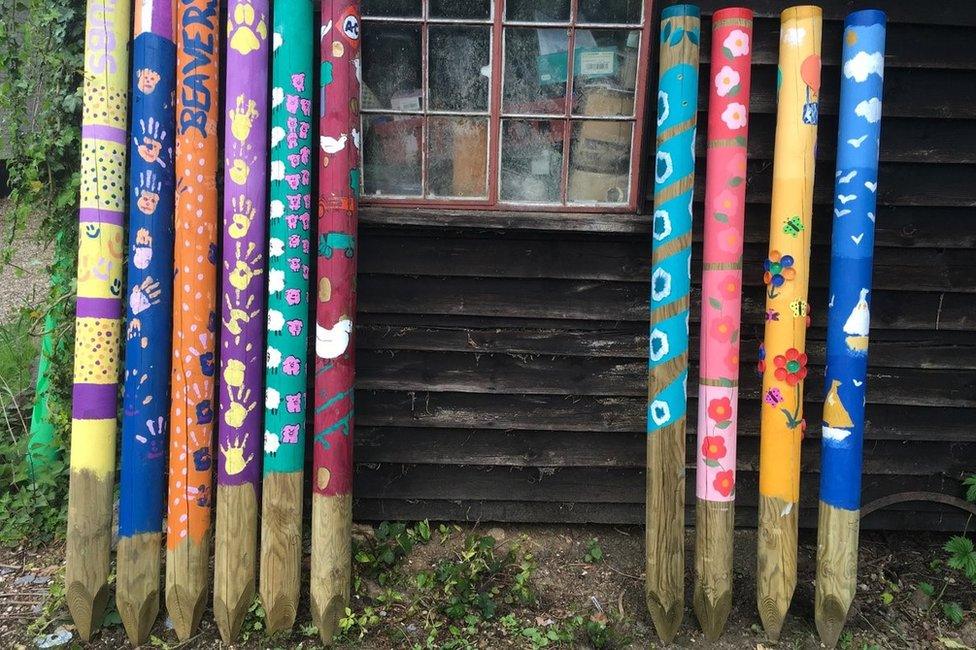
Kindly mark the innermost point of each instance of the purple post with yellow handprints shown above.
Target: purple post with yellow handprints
(245, 213)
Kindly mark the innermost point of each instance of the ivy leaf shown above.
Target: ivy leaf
(715, 302)
(735, 181)
(724, 424)
(721, 216)
(692, 36)
(728, 53)
(666, 31)
(712, 463)
(676, 37)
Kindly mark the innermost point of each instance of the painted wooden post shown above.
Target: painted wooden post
(243, 315)
(194, 315)
(783, 360)
(287, 349)
(98, 323)
(41, 451)
(848, 318)
(718, 392)
(149, 319)
(674, 180)
(335, 313)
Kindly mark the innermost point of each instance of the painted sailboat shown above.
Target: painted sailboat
(837, 421)
(857, 326)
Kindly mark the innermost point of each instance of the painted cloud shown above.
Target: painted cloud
(869, 109)
(862, 65)
(794, 35)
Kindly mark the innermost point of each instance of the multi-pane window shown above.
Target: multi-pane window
(498, 103)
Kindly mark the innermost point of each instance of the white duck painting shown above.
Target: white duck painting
(331, 343)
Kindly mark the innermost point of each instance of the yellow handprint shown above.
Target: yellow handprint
(243, 216)
(234, 373)
(242, 118)
(234, 461)
(236, 411)
(246, 266)
(239, 317)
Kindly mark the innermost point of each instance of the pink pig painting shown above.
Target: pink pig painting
(294, 403)
(289, 433)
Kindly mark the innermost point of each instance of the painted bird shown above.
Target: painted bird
(331, 343)
(331, 145)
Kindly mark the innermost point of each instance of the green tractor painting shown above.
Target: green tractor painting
(331, 242)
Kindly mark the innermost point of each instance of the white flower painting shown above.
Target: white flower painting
(726, 80)
(737, 43)
(794, 35)
(734, 116)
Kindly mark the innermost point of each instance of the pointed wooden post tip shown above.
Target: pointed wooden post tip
(187, 585)
(776, 562)
(87, 554)
(281, 548)
(837, 543)
(235, 558)
(137, 584)
(712, 601)
(666, 620)
(331, 561)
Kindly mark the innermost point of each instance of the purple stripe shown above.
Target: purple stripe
(98, 308)
(97, 215)
(94, 401)
(103, 132)
(162, 18)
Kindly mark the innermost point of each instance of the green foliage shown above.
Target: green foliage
(594, 553)
(378, 555)
(953, 612)
(962, 556)
(32, 503)
(41, 59)
(253, 620)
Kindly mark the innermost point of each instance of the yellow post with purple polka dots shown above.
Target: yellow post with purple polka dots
(99, 310)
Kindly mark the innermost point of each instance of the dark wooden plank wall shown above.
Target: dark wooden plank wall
(502, 356)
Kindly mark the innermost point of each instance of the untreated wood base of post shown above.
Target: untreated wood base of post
(331, 561)
(776, 553)
(665, 534)
(837, 539)
(89, 547)
(281, 548)
(187, 584)
(137, 584)
(235, 557)
(714, 527)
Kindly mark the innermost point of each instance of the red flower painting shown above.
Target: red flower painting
(720, 409)
(724, 482)
(791, 366)
(713, 447)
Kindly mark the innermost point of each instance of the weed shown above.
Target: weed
(594, 552)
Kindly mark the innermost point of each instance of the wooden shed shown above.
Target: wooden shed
(502, 352)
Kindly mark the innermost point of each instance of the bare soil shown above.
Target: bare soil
(889, 612)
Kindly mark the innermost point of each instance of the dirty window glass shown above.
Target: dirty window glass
(459, 67)
(494, 103)
(391, 8)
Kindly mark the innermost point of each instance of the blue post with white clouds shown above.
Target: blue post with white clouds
(852, 250)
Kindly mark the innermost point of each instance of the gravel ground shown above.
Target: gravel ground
(24, 280)
(889, 612)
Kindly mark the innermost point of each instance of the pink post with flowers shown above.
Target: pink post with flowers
(725, 189)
